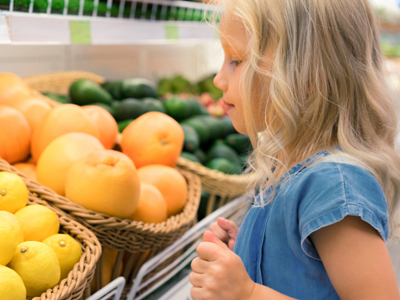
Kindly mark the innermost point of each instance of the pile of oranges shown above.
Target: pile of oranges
(70, 149)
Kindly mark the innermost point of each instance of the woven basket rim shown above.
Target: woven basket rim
(203, 171)
(91, 252)
(62, 75)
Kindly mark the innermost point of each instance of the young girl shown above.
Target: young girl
(304, 79)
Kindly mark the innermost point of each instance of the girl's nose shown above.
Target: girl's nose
(220, 82)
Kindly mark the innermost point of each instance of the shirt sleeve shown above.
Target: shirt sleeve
(333, 191)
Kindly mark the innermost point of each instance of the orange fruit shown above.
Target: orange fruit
(12, 86)
(60, 120)
(105, 181)
(15, 136)
(169, 182)
(32, 108)
(153, 138)
(44, 98)
(28, 169)
(152, 207)
(60, 154)
(109, 258)
(105, 123)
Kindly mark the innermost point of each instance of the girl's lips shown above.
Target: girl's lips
(226, 106)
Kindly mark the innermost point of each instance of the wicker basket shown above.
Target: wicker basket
(76, 285)
(221, 187)
(59, 82)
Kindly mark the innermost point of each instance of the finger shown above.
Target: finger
(209, 251)
(229, 226)
(208, 236)
(196, 279)
(197, 293)
(219, 232)
(199, 265)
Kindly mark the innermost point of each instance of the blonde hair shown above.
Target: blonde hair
(325, 87)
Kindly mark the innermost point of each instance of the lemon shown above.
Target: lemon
(68, 251)
(38, 266)
(13, 192)
(38, 222)
(8, 241)
(14, 222)
(11, 285)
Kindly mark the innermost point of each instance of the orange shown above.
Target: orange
(28, 169)
(105, 181)
(105, 123)
(12, 86)
(152, 207)
(169, 182)
(108, 260)
(60, 154)
(44, 98)
(15, 135)
(32, 108)
(153, 138)
(60, 120)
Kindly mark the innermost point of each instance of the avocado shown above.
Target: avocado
(152, 104)
(128, 109)
(137, 88)
(200, 128)
(114, 88)
(192, 140)
(194, 107)
(240, 142)
(190, 156)
(215, 126)
(223, 165)
(177, 108)
(228, 126)
(201, 156)
(85, 91)
(223, 151)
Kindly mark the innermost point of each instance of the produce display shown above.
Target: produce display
(34, 255)
(209, 136)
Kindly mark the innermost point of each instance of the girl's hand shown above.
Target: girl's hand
(226, 231)
(218, 273)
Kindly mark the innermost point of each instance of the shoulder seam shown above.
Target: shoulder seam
(343, 183)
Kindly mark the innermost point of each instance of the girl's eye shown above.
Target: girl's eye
(235, 62)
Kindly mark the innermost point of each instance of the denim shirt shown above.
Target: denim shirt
(274, 240)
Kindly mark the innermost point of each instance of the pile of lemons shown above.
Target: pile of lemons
(33, 255)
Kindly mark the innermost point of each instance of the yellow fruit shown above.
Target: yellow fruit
(38, 266)
(11, 285)
(8, 241)
(152, 207)
(59, 155)
(105, 181)
(13, 192)
(38, 222)
(68, 251)
(15, 223)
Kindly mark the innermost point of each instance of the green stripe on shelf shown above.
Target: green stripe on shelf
(80, 32)
(171, 32)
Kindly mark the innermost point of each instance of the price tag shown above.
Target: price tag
(171, 32)
(80, 32)
(4, 30)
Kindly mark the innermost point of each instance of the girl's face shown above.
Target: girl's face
(234, 43)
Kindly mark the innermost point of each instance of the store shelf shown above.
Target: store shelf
(146, 22)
